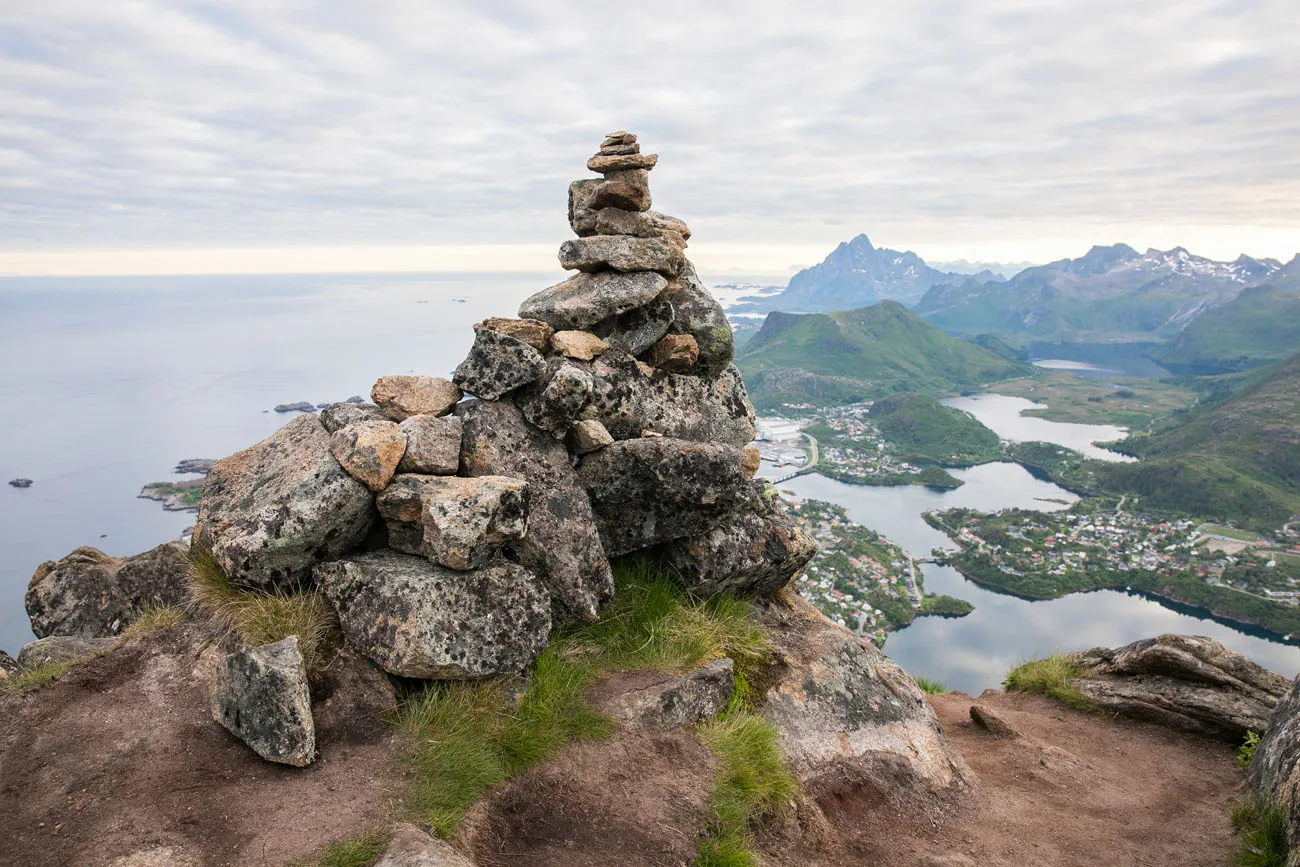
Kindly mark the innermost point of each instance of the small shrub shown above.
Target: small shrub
(929, 685)
(166, 617)
(1261, 824)
(1050, 676)
(260, 617)
(1246, 751)
(753, 783)
(362, 850)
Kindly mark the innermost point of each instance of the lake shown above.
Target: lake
(1001, 413)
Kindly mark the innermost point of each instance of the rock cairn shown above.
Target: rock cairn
(452, 535)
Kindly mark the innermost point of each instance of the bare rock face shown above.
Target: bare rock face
(849, 718)
(637, 330)
(432, 445)
(497, 364)
(585, 299)
(466, 521)
(92, 595)
(561, 545)
(748, 554)
(271, 512)
(656, 700)
(261, 697)
(411, 847)
(401, 397)
(1274, 770)
(697, 313)
(534, 332)
(656, 489)
(370, 451)
(60, 648)
(1186, 682)
(418, 619)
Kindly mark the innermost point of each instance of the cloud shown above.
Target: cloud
(949, 127)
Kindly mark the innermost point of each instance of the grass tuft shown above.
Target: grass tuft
(35, 678)
(1261, 824)
(166, 617)
(929, 685)
(362, 850)
(1050, 676)
(753, 783)
(260, 617)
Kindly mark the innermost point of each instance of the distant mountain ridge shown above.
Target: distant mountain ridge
(1260, 326)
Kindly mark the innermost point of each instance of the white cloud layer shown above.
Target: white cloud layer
(991, 130)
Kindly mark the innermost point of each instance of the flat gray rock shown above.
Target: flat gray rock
(498, 364)
(272, 512)
(622, 253)
(417, 619)
(337, 416)
(638, 329)
(432, 445)
(261, 697)
(585, 299)
(748, 554)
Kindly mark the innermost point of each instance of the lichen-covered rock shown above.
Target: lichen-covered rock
(750, 460)
(581, 345)
(1274, 771)
(588, 436)
(748, 554)
(432, 445)
(60, 648)
(271, 512)
(1186, 682)
(697, 313)
(622, 253)
(337, 416)
(534, 332)
(466, 521)
(369, 450)
(637, 330)
(92, 595)
(401, 397)
(561, 544)
(658, 700)
(675, 353)
(417, 619)
(627, 401)
(411, 847)
(261, 697)
(585, 299)
(656, 489)
(582, 219)
(498, 364)
(556, 405)
(848, 717)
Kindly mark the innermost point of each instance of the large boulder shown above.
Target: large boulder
(92, 595)
(585, 299)
(261, 696)
(272, 512)
(697, 313)
(1186, 682)
(497, 364)
(417, 619)
(657, 489)
(561, 545)
(748, 554)
(1274, 770)
(848, 717)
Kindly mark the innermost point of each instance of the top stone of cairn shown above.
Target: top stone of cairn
(619, 152)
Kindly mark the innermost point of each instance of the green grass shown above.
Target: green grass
(929, 685)
(166, 617)
(1246, 752)
(471, 736)
(1261, 824)
(752, 784)
(260, 617)
(35, 678)
(362, 850)
(1050, 676)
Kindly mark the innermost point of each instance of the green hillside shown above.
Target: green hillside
(1260, 326)
(872, 352)
(921, 426)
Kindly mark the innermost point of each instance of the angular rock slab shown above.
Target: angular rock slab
(417, 619)
(747, 554)
(466, 521)
(655, 700)
(580, 345)
(556, 406)
(848, 717)
(1186, 682)
(627, 189)
(432, 445)
(497, 364)
(561, 545)
(637, 330)
(534, 332)
(261, 697)
(582, 219)
(272, 512)
(1275, 769)
(675, 353)
(642, 224)
(92, 595)
(697, 313)
(656, 489)
(337, 416)
(369, 450)
(622, 253)
(411, 847)
(585, 299)
(588, 436)
(401, 397)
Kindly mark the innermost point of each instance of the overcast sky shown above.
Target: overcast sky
(269, 133)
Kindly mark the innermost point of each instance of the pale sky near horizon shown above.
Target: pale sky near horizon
(285, 135)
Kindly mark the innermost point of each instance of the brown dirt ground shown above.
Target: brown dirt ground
(121, 755)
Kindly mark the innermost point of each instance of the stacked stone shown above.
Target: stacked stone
(451, 534)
